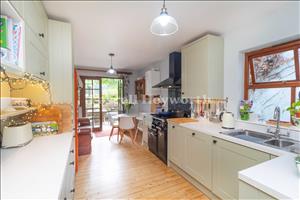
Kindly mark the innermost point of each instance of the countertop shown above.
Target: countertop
(35, 171)
(277, 177)
(181, 120)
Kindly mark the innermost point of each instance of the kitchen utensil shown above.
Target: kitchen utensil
(16, 135)
(227, 119)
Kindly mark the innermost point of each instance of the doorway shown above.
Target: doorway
(101, 97)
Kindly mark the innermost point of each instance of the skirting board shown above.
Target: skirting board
(190, 179)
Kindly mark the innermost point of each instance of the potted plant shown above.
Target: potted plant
(295, 112)
(127, 105)
(245, 107)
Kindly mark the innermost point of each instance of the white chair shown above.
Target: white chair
(114, 122)
(127, 124)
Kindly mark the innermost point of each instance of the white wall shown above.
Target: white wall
(275, 28)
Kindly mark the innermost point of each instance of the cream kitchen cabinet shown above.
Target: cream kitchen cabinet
(177, 144)
(228, 160)
(249, 192)
(198, 158)
(36, 59)
(36, 18)
(19, 6)
(202, 68)
(152, 77)
(68, 187)
(60, 61)
(36, 37)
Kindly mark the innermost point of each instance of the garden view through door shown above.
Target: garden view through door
(102, 96)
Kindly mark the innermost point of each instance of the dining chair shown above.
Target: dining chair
(114, 122)
(127, 124)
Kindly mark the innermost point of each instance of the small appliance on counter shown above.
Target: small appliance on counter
(16, 135)
(227, 119)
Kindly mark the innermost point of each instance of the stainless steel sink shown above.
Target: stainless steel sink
(265, 139)
(250, 135)
(279, 143)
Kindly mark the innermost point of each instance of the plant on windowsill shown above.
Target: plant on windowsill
(245, 107)
(295, 112)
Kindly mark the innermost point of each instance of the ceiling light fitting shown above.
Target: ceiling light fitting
(111, 70)
(164, 24)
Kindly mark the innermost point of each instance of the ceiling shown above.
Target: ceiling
(101, 27)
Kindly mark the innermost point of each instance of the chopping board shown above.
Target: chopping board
(182, 120)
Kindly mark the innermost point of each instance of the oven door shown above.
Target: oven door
(152, 140)
(162, 145)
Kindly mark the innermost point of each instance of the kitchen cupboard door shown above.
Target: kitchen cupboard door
(19, 6)
(194, 69)
(152, 77)
(60, 61)
(198, 157)
(228, 160)
(177, 145)
(36, 18)
(36, 59)
(202, 68)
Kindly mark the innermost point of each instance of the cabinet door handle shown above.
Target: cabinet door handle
(193, 134)
(73, 190)
(72, 163)
(42, 73)
(173, 126)
(182, 92)
(41, 35)
(214, 141)
(72, 151)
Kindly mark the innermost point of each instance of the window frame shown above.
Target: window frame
(249, 68)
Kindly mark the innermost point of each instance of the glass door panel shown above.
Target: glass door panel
(92, 102)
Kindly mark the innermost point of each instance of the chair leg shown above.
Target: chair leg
(118, 134)
(111, 132)
(122, 135)
(135, 135)
(131, 135)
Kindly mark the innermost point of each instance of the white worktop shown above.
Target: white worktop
(35, 171)
(277, 177)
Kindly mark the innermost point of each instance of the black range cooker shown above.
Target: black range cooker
(158, 135)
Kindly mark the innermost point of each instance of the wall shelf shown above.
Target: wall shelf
(6, 115)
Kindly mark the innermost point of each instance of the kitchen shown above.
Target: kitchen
(215, 104)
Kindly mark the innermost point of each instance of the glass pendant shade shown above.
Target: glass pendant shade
(111, 71)
(164, 24)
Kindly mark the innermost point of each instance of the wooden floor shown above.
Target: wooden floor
(126, 171)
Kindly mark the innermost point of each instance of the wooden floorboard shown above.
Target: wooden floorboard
(127, 171)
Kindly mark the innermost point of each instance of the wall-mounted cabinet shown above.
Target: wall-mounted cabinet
(61, 61)
(34, 49)
(202, 68)
(140, 88)
(152, 77)
(12, 38)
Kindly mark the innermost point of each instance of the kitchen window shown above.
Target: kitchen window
(272, 78)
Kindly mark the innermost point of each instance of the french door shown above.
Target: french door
(91, 101)
(100, 96)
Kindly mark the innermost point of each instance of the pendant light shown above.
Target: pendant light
(164, 24)
(111, 70)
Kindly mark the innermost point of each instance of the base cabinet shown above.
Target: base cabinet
(249, 192)
(68, 187)
(228, 160)
(177, 140)
(198, 157)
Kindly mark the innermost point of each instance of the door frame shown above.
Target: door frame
(82, 95)
(82, 99)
